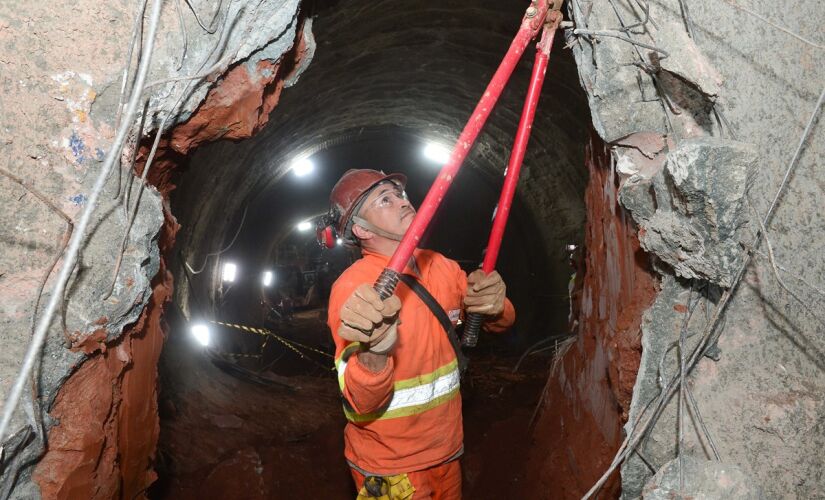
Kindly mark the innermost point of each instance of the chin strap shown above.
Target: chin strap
(375, 229)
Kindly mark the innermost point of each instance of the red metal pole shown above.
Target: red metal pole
(525, 126)
(508, 190)
(530, 26)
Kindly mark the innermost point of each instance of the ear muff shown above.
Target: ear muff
(325, 231)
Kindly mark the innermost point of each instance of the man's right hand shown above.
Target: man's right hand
(366, 318)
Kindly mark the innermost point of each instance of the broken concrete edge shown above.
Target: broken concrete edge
(701, 479)
(98, 324)
(687, 197)
(588, 392)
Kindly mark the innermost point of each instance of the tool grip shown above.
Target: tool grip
(472, 327)
(386, 283)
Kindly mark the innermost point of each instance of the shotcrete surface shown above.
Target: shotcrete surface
(760, 395)
(61, 73)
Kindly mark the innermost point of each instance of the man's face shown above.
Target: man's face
(388, 208)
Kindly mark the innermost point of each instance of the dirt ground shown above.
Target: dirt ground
(253, 438)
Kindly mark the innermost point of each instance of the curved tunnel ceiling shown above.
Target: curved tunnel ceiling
(401, 72)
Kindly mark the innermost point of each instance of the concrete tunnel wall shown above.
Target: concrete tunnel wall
(761, 400)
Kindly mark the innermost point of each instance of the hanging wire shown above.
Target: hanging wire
(663, 98)
(135, 40)
(681, 429)
(219, 252)
(64, 241)
(683, 6)
(710, 335)
(773, 24)
(795, 159)
(645, 6)
(620, 36)
(798, 278)
(698, 415)
(79, 236)
(153, 150)
(211, 29)
(774, 268)
(136, 148)
(31, 404)
(183, 34)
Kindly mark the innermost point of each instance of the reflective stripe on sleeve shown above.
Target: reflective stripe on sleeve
(341, 362)
(415, 395)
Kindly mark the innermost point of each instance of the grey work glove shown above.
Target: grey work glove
(485, 293)
(366, 318)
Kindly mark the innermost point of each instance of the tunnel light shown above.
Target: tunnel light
(267, 278)
(230, 271)
(437, 153)
(304, 226)
(339, 241)
(571, 247)
(201, 334)
(302, 167)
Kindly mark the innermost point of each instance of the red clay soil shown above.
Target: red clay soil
(104, 444)
(237, 108)
(587, 397)
(227, 438)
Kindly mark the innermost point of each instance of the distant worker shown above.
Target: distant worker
(397, 369)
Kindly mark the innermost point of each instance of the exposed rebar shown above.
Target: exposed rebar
(79, 235)
(620, 36)
(710, 334)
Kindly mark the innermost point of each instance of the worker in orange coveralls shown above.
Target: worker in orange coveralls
(397, 370)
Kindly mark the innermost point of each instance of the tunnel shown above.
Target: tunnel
(245, 198)
(166, 302)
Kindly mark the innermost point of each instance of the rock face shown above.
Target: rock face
(61, 85)
(701, 207)
(688, 176)
(588, 394)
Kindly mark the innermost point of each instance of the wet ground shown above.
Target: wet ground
(278, 432)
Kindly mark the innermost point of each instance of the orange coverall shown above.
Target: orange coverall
(407, 417)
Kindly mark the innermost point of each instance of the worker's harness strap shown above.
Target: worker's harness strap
(440, 314)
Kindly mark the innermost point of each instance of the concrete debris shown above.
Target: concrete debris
(649, 144)
(621, 96)
(642, 153)
(704, 480)
(700, 207)
(686, 60)
(95, 319)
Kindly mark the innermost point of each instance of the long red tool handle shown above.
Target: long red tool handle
(530, 26)
(508, 190)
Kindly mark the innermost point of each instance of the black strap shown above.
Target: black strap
(439, 314)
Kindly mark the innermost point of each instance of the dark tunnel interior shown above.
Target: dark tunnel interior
(387, 79)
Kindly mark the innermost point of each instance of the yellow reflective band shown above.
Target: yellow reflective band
(415, 395)
(341, 363)
(427, 377)
(401, 412)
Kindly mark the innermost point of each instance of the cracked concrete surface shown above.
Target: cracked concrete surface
(60, 77)
(760, 399)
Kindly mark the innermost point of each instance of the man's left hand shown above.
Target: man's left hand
(485, 293)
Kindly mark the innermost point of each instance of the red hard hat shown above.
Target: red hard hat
(352, 188)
